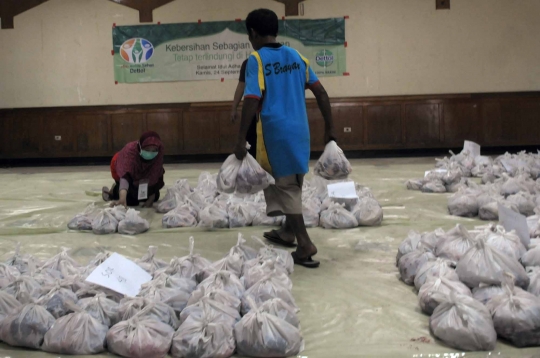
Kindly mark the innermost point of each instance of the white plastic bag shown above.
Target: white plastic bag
(26, 326)
(8, 304)
(281, 257)
(429, 294)
(455, 244)
(240, 214)
(332, 164)
(182, 216)
(226, 281)
(188, 266)
(281, 309)
(484, 264)
(261, 334)
(463, 323)
(411, 243)
(215, 294)
(207, 184)
(8, 274)
(59, 299)
(531, 257)
(157, 291)
(337, 217)
(149, 263)
(264, 268)
(104, 223)
(516, 315)
(25, 289)
(265, 289)
(204, 336)
(233, 263)
(251, 177)
(145, 308)
(463, 204)
(83, 220)
(101, 308)
(261, 219)
(368, 212)
(411, 262)
(534, 276)
(225, 313)
(484, 293)
(140, 338)
(133, 224)
(119, 212)
(226, 179)
(214, 216)
(86, 335)
(310, 212)
(506, 242)
(171, 200)
(435, 269)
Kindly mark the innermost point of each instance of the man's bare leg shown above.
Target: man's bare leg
(305, 248)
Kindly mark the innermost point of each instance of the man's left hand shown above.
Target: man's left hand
(240, 151)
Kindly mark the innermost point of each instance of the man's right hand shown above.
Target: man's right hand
(233, 116)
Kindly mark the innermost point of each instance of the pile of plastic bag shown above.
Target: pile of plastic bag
(191, 307)
(476, 285)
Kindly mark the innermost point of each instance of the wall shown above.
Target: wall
(59, 53)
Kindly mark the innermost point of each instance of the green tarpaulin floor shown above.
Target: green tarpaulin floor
(352, 306)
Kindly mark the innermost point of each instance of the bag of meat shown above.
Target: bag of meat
(144, 308)
(214, 217)
(534, 276)
(411, 243)
(83, 221)
(149, 263)
(281, 309)
(8, 274)
(433, 186)
(310, 212)
(182, 216)
(463, 204)
(8, 304)
(368, 212)
(59, 299)
(484, 293)
(262, 334)
(86, 335)
(26, 326)
(170, 201)
(104, 223)
(484, 264)
(524, 201)
(281, 257)
(215, 294)
(337, 217)
(176, 281)
(188, 266)
(240, 214)
(204, 336)
(21, 262)
(133, 224)
(264, 268)
(251, 177)
(265, 289)
(25, 289)
(435, 269)
(429, 294)
(506, 242)
(463, 323)
(226, 281)
(62, 262)
(140, 338)
(409, 264)
(119, 212)
(226, 179)
(531, 257)
(457, 242)
(233, 263)
(516, 315)
(207, 184)
(262, 219)
(332, 165)
(157, 291)
(225, 313)
(101, 308)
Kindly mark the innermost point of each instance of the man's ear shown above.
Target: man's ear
(252, 33)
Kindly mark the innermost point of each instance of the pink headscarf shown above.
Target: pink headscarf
(131, 163)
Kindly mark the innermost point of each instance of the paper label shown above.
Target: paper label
(472, 147)
(120, 275)
(143, 191)
(345, 190)
(511, 220)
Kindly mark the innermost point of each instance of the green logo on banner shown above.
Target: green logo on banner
(324, 58)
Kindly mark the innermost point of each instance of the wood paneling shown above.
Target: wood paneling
(383, 125)
(169, 127)
(11, 8)
(422, 124)
(201, 132)
(126, 128)
(145, 7)
(460, 122)
(440, 121)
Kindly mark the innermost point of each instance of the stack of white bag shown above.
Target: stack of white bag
(109, 221)
(486, 261)
(191, 308)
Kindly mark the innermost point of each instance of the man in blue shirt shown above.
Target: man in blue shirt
(276, 79)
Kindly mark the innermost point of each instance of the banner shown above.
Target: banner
(216, 50)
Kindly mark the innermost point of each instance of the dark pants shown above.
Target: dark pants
(132, 198)
(251, 138)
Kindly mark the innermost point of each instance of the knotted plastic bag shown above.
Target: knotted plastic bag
(8, 274)
(133, 224)
(149, 263)
(26, 326)
(214, 216)
(436, 269)
(86, 335)
(157, 291)
(410, 263)
(225, 313)
(101, 308)
(337, 217)
(261, 219)
(245, 176)
(368, 212)
(261, 334)
(257, 272)
(429, 300)
(463, 323)
(62, 262)
(104, 223)
(281, 257)
(455, 244)
(215, 294)
(240, 214)
(8, 304)
(265, 289)
(226, 281)
(83, 220)
(531, 257)
(140, 338)
(534, 276)
(281, 309)
(145, 308)
(25, 289)
(484, 293)
(182, 216)
(204, 336)
(332, 165)
(188, 266)
(59, 298)
(506, 242)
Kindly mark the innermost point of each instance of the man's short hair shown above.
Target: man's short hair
(263, 21)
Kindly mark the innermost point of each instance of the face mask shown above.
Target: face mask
(146, 155)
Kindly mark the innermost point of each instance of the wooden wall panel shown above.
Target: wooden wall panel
(349, 117)
(383, 125)
(28, 134)
(169, 127)
(126, 128)
(422, 124)
(316, 128)
(4, 133)
(201, 132)
(491, 132)
(93, 135)
(460, 122)
(228, 131)
(63, 126)
(529, 120)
